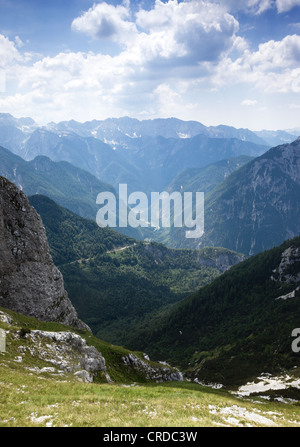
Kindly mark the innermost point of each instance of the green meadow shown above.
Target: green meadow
(34, 394)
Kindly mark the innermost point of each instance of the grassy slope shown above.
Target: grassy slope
(30, 400)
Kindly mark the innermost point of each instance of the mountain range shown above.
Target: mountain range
(221, 307)
(37, 318)
(146, 155)
(250, 190)
(146, 163)
(255, 208)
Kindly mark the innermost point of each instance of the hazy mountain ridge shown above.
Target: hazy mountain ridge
(208, 177)
(151, 163)
(168, 128)
(161, 159)
(61, 181)
(112, 129)
(144, 154)
(69, 186)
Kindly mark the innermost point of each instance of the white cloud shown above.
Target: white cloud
(19, 42)
(249, 102)
(104, 21)
(258, 6)
(286, 5)
(272, 68)
(248, 6)
(169, 56)
(202, 30)
(277, 54)
(166, 99)
(263, 5)
(2, 81)
(8, 51)
(183, 31)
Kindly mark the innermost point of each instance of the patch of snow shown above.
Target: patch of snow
(134, 135)
(183, 135)
(267, 383)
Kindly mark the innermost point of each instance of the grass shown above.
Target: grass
(37, 399)
(30, 400)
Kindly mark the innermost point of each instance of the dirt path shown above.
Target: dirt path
(115, 250)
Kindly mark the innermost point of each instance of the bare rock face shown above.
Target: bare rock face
(29, 281)
(69, 352)
(288, 270)
(160, 373)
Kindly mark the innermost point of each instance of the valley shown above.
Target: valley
(149, 219)
(186, 332)
(115, 282)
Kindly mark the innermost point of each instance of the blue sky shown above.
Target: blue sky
(228, 62)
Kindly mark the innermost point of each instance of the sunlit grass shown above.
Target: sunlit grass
(30, 400)
(31, 397)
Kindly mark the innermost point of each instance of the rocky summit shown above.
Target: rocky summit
(29, 281)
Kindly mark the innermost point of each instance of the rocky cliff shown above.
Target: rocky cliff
(257, 207)
(29, 281)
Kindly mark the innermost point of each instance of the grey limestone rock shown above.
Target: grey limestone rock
(289, 258)
(69, 352)
(29, 281)
(161, 373)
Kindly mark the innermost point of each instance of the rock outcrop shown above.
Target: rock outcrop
(67, 355)
(29, 281)
(288, 269)
(161, 373)
(223, 261)
(68, 352)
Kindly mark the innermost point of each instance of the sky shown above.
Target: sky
(232, 62)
